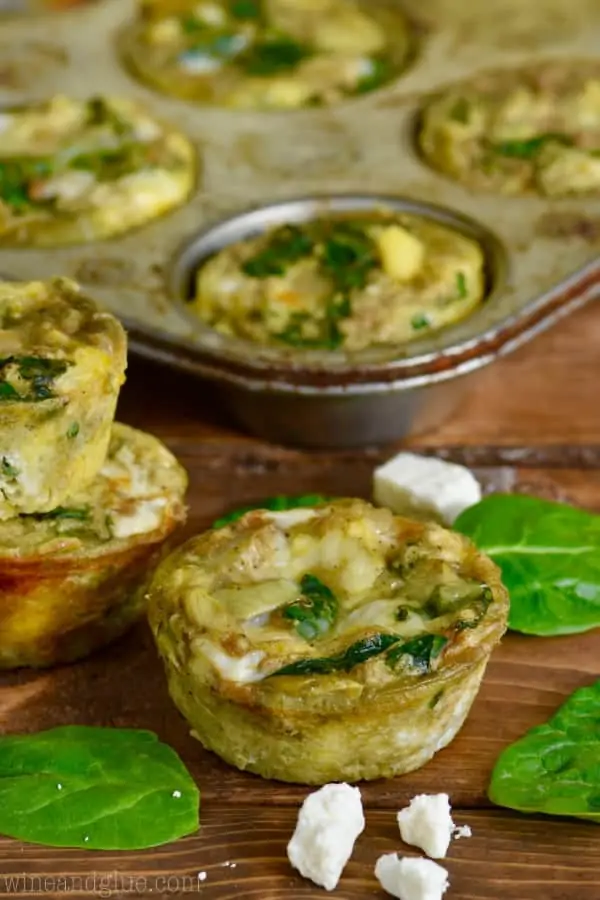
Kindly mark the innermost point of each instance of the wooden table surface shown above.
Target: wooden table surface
(531, 424)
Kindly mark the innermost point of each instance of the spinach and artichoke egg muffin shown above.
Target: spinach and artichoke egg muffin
(342, 282)
(267, 53)
(332, 643)
(73, 579)
(73, 171)
(533, 130)
(62, 364)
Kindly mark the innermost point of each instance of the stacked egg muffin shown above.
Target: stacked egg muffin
(86, 504)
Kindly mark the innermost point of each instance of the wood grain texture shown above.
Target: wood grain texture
(241, 853)
(532, 425)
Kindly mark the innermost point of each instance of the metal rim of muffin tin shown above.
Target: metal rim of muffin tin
(161, 329)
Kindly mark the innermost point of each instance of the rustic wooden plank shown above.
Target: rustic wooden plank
(241, 852)
(545, 393)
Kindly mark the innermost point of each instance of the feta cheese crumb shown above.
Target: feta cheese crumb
(426, 823)
(176, 794)
(329, 822)
(202, 876)
(411, 878)
(462, 831)
(425, 486)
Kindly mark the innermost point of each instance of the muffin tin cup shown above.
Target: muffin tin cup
(543, 254)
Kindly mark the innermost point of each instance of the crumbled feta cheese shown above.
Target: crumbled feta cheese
(202, 876)
(411, 878)
(462, 831)
(427, 823)
(329, 822)
(409, 483)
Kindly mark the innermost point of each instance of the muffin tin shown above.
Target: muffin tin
(544, 256)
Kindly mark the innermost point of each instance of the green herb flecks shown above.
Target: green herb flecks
(461, 111)
(287, 245)
(316, 610)
(419, 653)
(269, 57)
(8, 470)
(461, 286)
(274, 504)
(554, 768)
(191, 25)
(380, 73)
(529, 148)
(16, 176)
(348, 256)
(81, 514)
(419, 322)
(8, 392)
(245, 10)
(100, 112)
(357, 653)
(549, 555)
(39, 372)
(73, 430)
(95, 789)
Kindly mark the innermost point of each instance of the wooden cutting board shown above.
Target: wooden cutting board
(531, 424)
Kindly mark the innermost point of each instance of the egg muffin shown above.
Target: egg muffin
(342, 282)
(332, 643)
(72, 579)
(74, 171)
(267, 54)
(62, 364)
(534, 130)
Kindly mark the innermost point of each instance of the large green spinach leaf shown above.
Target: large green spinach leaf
(94, 788)
(549, 554)
(555, 768)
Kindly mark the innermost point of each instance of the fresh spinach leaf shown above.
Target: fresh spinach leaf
(316, 610)
(549, 554)
(356, 653)
(421, 651)
(528, 149)
(94, 788)
(287, 245)
(280, 503)
(273, 55)
(554, 769)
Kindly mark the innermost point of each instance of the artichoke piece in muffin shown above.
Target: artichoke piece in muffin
(336, 643)
(267, 54)
(74, 171)
(62, 364)
(520, 131)
(73, 579)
